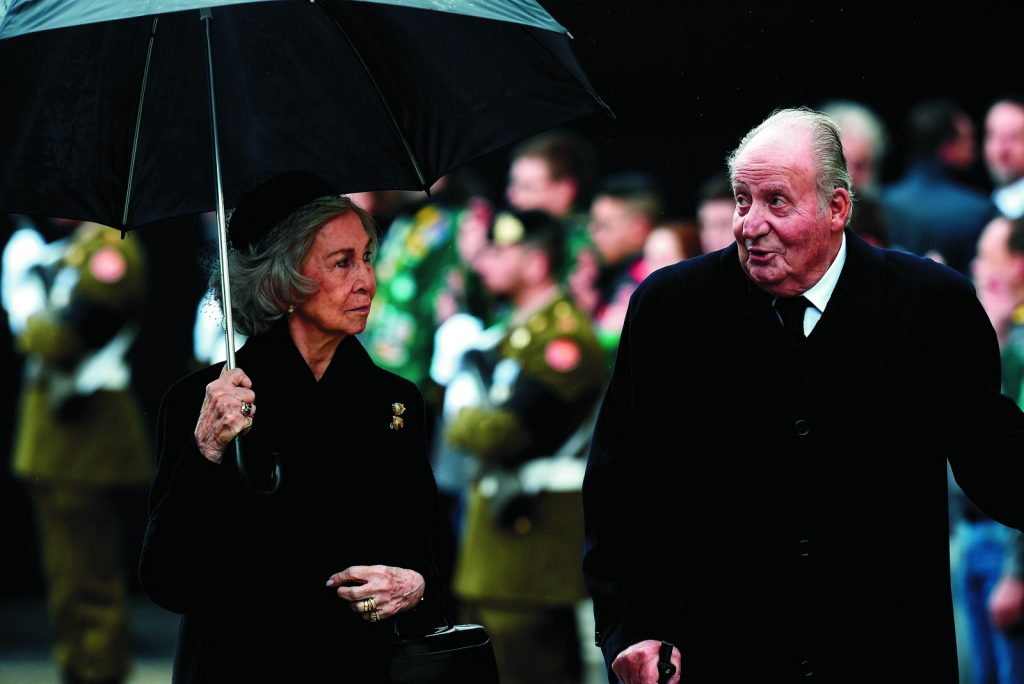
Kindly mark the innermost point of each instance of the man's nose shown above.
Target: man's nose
(755, 222)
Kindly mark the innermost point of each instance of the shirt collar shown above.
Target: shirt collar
(1010, 199)
(822, 291)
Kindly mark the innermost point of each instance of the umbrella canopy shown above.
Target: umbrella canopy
(108, 103)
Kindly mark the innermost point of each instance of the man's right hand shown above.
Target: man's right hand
(638, 664)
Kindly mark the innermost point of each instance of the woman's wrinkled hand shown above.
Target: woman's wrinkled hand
(228, 411)
(378, 592)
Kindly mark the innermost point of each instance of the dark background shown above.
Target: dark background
(685, 80)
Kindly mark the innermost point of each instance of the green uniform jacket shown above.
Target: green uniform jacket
(66, 436)
(532, 555)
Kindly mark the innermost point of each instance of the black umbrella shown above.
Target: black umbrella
(126, 116)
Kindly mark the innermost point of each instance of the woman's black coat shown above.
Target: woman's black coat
(247, 571)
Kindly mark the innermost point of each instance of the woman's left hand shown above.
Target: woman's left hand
(378, 592)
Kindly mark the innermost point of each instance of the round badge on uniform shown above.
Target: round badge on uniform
(107, 265)
(562, 354)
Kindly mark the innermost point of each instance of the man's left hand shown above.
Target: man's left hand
(638, 664)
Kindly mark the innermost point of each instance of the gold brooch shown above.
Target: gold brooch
(397, 422)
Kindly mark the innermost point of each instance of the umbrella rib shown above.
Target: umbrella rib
(138, 121)
(384, 100)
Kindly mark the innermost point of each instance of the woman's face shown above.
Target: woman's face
(340, 265)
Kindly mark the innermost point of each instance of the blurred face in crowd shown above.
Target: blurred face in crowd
(715, 217)
(786, 240)
(502, 267)
(860, 159)
(617, 230)
(530, 186)
(662, 248)
(340, 265)
(1004, 142)
(961, 151)
(995, 269)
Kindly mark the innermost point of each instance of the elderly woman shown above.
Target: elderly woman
(303, 584)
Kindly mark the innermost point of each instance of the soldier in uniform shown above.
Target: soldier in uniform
(80, 441)
(518, 567)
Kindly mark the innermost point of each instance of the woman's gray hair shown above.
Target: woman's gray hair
(826, 143)
(266, 278)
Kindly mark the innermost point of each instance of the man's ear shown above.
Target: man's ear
(839, 209)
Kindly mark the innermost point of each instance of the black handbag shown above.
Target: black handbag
(447, 655)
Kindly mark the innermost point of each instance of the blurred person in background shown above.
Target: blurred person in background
(1004, 153)
(626, 207)
(991, 570)
(669, 243)
(930, 212)
(537, 381)
(715, 207)
(74, 305)
(554, 172)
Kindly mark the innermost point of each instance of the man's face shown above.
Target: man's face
(993, 267)
(614, 229)
(530, 186)
(715, 218)
(501, 268)
(1004, 142)
(786, 242)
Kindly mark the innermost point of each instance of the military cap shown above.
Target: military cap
(271, 202)
(516, 227)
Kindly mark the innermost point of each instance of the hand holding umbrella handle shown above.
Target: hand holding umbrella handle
(665, 667)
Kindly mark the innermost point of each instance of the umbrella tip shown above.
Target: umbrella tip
(124, 233)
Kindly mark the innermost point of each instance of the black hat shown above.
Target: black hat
(271, 202)
(515, 227)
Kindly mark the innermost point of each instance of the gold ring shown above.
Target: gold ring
(375, 616)
(369, 604)
(246, 408)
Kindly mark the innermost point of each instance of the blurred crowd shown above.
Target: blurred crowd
(505, 306)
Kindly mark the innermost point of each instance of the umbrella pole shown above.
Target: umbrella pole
(222, 230)
(205, 15)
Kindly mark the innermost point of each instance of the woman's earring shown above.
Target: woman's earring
(291, 309)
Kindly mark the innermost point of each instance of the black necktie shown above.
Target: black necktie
(791, 309)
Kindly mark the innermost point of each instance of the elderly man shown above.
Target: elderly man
(799, 473)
